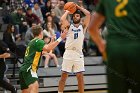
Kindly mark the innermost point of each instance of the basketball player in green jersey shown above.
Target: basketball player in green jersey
(28, 71)
(122, 46)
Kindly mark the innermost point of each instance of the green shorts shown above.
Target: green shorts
(27, 78)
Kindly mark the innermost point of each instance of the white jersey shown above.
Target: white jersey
(75, 37)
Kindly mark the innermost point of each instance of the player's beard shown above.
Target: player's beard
(76, 21)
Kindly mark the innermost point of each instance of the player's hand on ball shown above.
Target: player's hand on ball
(77, 6)
(68, 11)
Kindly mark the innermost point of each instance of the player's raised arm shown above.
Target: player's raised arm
(87, 17)
(64, 20)
(52, 45)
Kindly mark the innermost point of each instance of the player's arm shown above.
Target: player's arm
(96, 21)
(87, 17)
(52, 45)
(64, 20)
(5, 55)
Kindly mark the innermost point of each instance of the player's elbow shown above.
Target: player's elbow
(61, 20)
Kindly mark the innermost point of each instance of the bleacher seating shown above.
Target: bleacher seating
(94, 76)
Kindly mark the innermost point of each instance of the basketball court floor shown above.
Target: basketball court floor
(99, 91)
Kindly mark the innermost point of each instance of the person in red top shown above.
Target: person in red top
(31, 17)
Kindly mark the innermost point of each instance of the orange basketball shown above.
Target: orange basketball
(70, 6)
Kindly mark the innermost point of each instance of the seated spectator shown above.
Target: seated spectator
(37, 11)
(29, 35)
(56, 20)
(49, 55)
(49, 18)
(10, 37)
(59, 10)
(13, 40)
(46, 9)
(31, 17)
(50, 31)
(41, 3)
(18, 19)
(54, 3)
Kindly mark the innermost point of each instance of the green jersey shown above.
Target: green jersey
(122, 17)
(32, 55)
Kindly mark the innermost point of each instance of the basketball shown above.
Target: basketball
(70, 6)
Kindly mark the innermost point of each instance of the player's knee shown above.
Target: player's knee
(34, 86)
(80, 74)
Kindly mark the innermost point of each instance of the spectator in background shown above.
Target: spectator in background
(59, 10)
(46, 9)
(56, 20)
(29, 35)
(30, 2)
(37, 11)
(80, 2)
(54, 3)
(50, 19)
(41, 3)
(49, 55)
(31, 17)
(61, 46)
(18, 19)
(10, 36)
(50, 31)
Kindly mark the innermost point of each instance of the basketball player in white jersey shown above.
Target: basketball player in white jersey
(73, 58)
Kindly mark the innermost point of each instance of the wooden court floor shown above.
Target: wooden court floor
(99, 91)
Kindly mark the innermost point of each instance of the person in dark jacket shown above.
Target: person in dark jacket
(10, 36)
(4, 54)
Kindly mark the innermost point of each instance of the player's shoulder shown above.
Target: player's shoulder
(39, 41)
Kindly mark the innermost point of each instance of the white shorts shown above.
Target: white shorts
(73, 62)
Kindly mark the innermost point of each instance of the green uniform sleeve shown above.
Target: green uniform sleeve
(39, 45)
(100, 7)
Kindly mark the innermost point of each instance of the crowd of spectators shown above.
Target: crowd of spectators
(25, 14)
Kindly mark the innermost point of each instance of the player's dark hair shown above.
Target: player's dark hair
(36, 30)
(77, 12)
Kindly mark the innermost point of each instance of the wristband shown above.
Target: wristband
(59, 39)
